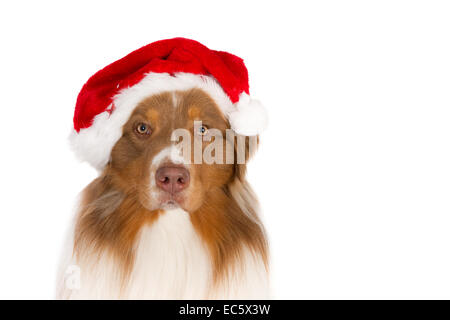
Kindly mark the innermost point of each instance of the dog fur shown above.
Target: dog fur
(130, 241)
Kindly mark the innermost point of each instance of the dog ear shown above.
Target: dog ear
(244, 149)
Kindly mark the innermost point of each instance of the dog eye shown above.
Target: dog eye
(202, 130)
(143, 129)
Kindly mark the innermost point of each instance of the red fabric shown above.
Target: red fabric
(171, 56)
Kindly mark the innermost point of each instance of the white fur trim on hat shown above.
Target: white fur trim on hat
(94, 144)
(249, 117)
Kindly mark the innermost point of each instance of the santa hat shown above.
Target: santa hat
(109, 97)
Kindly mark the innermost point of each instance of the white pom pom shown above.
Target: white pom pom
(249, 118)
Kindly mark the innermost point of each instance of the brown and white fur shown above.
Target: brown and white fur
(134, 240)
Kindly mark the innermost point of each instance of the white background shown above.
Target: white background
(353, 173)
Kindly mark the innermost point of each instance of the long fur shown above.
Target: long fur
(169, 258)
(127, 244)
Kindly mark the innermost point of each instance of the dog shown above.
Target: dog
(158, 223)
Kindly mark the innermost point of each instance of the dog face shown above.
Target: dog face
(147, 162)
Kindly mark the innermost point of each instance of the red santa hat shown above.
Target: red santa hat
(109, 97)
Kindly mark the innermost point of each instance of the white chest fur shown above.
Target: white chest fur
(171, 262)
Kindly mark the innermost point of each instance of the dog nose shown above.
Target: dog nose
(172, 179)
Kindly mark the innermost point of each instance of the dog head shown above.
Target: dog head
(175, 148)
